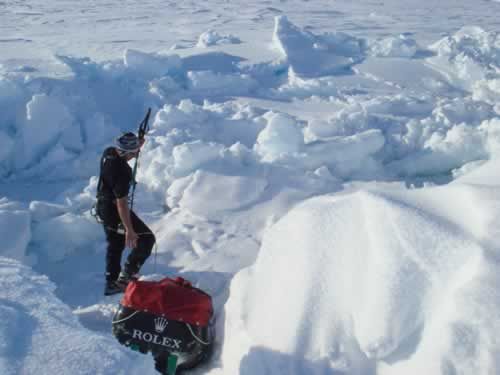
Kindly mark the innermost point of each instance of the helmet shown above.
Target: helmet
(128, 142)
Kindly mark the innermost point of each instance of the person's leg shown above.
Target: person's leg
(142, 251)
(116, 245)
(115, 242)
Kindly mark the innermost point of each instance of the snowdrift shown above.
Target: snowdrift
(384, 281)
(40, 334)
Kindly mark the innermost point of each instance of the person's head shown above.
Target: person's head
(128, 145)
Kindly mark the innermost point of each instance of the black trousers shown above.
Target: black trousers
(116, 242)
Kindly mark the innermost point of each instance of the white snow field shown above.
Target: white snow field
(327, 171)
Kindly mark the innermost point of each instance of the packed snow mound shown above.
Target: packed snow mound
(55, 238)
(439, 144)
(15, 230)
(472, 42)
(154, 65)
(207, 194)
(303, 87)
(281, 136)
(483, 174)
(468, 56)
(190, 137)
(311, 55)
(221, 84)
(400, 46)
(44, 232)
(212, 37)
(47, 121)
(488, 91)
(370, 277)
(41, 335)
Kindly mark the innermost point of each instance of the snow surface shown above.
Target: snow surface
(328, 172)
(40, 334)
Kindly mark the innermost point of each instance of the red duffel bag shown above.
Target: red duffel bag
(169, 318)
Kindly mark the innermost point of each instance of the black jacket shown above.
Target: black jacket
(115, 179)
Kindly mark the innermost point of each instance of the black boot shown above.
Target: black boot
(113, 287)
(125, 277)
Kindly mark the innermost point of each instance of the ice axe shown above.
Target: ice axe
(143, 130)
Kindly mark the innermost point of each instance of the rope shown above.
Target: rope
(155, 247)
(156, 254)
(196, 337)
(125, 319)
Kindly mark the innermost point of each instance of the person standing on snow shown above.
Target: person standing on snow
(121, 225)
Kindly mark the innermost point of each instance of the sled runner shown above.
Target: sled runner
(169, 318)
